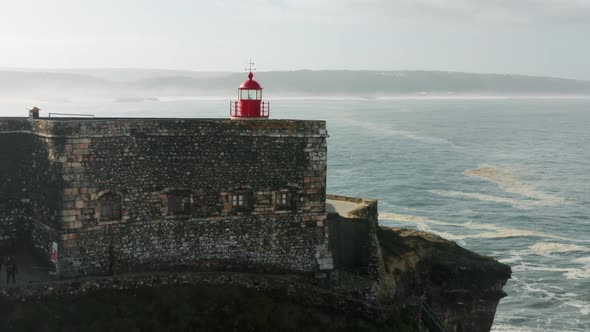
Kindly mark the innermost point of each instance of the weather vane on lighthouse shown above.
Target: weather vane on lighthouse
(250, 64)
(249, 104)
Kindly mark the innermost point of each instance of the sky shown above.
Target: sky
(531, 37)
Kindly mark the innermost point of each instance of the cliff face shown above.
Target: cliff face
(195, 302)
(462, 288)
(452, 288)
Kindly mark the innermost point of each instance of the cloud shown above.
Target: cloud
(354, 11)
(518, 11)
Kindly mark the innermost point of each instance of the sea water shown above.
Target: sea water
(507, 178)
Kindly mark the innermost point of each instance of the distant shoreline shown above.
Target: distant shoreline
(152, 99)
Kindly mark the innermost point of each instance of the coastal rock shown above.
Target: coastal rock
(461, 287)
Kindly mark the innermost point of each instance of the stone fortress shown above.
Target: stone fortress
(113, 196)
(122, 195)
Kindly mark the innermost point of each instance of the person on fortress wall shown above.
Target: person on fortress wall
(11, 270)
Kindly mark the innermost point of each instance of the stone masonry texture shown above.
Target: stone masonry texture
(58, 177)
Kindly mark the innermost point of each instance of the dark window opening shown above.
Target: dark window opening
(179, 203)
(110, 207)
(238, 201)
(282, 200)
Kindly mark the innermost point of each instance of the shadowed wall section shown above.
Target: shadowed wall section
(29, 189)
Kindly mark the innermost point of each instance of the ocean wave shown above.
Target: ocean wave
(582, 260)
(506, 180)
(583, 306)
(486, 198)
(511, 259)
(495, 231)
(547, 248)
(508, 328)
(422, 223)
(568, 272)
(549, 294)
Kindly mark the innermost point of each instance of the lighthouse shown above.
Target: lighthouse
(249, 105)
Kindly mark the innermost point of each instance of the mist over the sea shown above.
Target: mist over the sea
(152, 85)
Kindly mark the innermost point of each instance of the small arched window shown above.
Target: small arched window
(110, 207)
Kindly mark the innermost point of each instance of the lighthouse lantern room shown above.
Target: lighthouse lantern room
(249, 104)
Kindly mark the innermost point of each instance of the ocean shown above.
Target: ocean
(507, 178)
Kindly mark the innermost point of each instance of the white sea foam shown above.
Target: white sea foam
(568, 272)
(494, 231)
(582, 260)
(486, 198)
(584, 306)
(509, 328)
(421, 223)
(505, 178)
(382, 130)
(511, 259)
(547, 248)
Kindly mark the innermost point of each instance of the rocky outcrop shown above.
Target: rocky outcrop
(462, 288)
(453, 288)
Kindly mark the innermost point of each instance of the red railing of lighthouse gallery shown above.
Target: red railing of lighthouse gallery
(236, 111)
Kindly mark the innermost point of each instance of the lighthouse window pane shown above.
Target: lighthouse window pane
(248, 94)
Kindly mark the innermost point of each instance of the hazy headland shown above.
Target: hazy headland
(148, 84)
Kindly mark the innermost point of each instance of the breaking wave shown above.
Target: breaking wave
(421, 223)
(547, 248)
(568, 272)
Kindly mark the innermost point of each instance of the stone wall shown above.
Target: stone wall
(353, 238)
(29, 188)
(142, 168)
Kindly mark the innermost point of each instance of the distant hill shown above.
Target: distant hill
(125, 83)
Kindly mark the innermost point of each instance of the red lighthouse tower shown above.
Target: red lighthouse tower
(249, 104)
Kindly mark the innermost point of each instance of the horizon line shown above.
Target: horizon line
(57, 69)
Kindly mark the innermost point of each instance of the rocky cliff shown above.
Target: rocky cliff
(418, 272)
(461, 287)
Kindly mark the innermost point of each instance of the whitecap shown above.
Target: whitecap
(547, 248)
(508, 328)
(582, 260)
(511, 259)
(583, 306)
(568, 272)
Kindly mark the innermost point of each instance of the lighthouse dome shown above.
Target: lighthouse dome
(250, 83)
